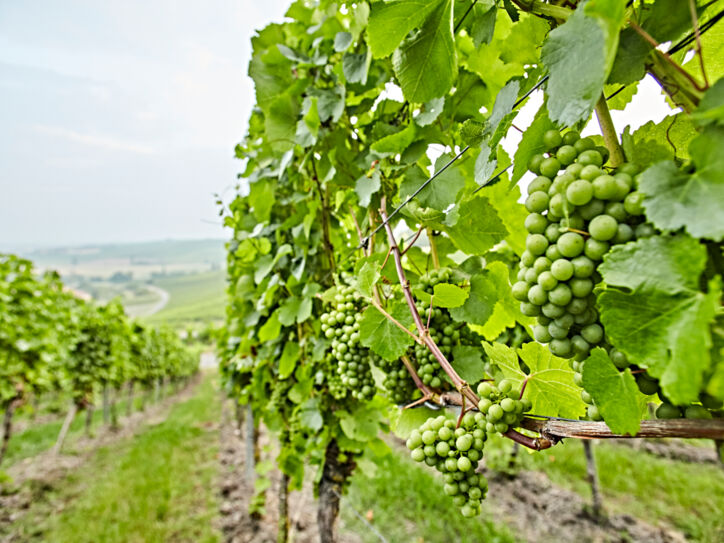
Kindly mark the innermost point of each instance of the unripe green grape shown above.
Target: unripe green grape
(527, 258)
(562, 269)
(590, 156)
(570, 137)
(647, 385)
(697, 412)
(561, 295)
(668, 411)
(557, 205)
(541, 334)
(552, 139)
(595, 249)
(593, 413)
(535, 162)
(565, 321)
(561, 347)
(633, 203)
(566, 155)
(603, 227)
(549, 167)
(537, 244)
(552, 310)
(575, 170)
(540, 183)
(495, 413)
(556, 331)
(529, 310)
(541, 264)
(552, 233)
(586, 397)
(418, 455)
(604, 187)
(485, 389)
(537, 202)
(592, 209)
(574, 221)
(581, 287)
(579, 192)
(644, 230)
(535, 223)
(590, 172)
(624, 233)
(547, 281)
(570, 244)
(584, 144)
(552, 253)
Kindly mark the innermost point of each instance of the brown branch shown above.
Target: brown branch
(329, 248)
(412, 243)
(695, 22)
(555, 429)
(394, 321)
(422, 387)
(651, 41)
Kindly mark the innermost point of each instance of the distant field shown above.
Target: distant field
(141, 259)
(194, 297)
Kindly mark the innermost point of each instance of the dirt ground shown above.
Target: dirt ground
(32, 477)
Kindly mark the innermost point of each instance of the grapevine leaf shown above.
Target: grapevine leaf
(365, 187)
(472, 132)
(430, 111)
(395, 143)
(511, 10)
(362, 424)
(288, 359)
(711, 107)
(407, 420)
(504, 199)
(426, 64)
(356, 67)
(484, 166)
(675, 199)
(615, 393)
(478, 227)
(441, 191)
(668, 19)
(448, 295)
(271, 328)
(390, 22)
(342, 41)
(281, 123)
(484, 27)
(549, 385)
(468, 362)
(504, 102)
(665, 140)
(653, 311)
(383, 336)
(366, 276)
(576, 81)
(629, 65)
(295, 309)
(531, 143)
(310, 416)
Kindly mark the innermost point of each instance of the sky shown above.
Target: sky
(118, 119)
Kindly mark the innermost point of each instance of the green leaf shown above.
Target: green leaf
(468, 362)
(654, 312)
(484, 27)
(478, 227)
(472, 133)
(390, 22)
(366, 276)
(695, 202)
(550, 386)
(488, 288)
(447, 295)
(383, 336)
(531, 143)
(665, 140)
(711, 107)
(410, 419)
(426, 64)
(356, 67)
(430, 111)
(629, 64)
(362, 424)
(365, 187)
(395, 143)
(281, 123)
(342, 41)
(615, 393)
(271, 328)
(441, 191)
(288, 359)
(576, 80)
(505, 200)
(310, 416)
(295, 309)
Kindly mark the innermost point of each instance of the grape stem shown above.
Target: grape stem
(424, 337)
(610, 137)
(422, 387)
(328, 247)
(556, 429)
(537, 7)
(433, 249)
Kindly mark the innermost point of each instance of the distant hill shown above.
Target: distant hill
(140, 259)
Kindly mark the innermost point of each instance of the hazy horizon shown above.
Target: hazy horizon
(120, 119)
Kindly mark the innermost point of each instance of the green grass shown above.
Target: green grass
(685, 495)
(38, 438)
(157, 486)
(194, 297)
(408, 505)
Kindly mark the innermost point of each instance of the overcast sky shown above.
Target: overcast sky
(118, 119)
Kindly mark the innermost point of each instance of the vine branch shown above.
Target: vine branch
(610, 137)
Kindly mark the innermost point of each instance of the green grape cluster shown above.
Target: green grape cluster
(341, 325)
(577, 211)
(443, 330)
(501, 405)
(454, 452)
(398, 386)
